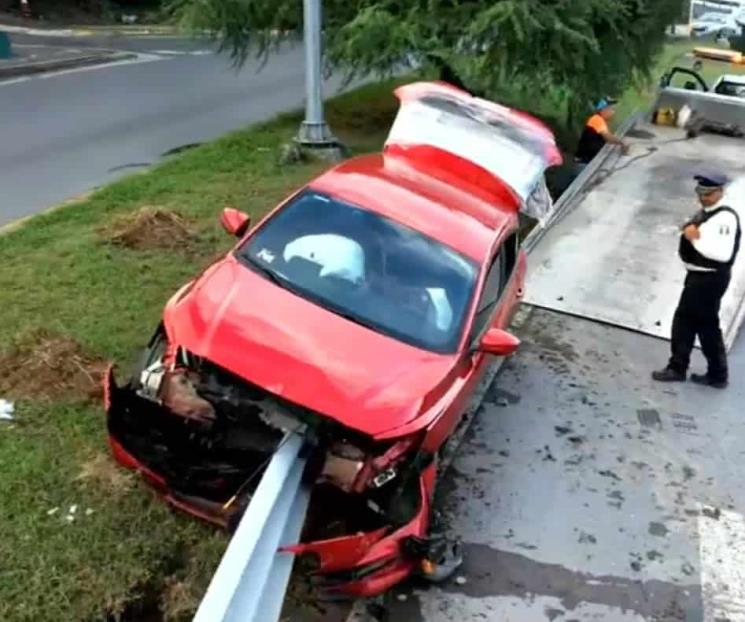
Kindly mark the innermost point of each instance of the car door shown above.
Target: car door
(497, 301)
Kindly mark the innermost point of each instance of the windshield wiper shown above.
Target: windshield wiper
(270, 275)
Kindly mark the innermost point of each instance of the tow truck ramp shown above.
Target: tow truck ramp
(613, 256)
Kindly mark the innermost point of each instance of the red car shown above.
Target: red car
(364, 309)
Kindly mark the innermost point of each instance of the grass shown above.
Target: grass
(125, 553)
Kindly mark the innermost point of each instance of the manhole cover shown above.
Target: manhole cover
(649, 418)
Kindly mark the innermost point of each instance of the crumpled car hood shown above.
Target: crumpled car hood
(303, 353)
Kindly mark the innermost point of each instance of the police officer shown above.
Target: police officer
(709, 244)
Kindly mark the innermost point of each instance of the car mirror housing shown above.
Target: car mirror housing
(498, 342)
(234, 221)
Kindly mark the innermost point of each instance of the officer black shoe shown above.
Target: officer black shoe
(707, 381)
(668, 375)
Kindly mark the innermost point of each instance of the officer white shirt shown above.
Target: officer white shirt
(717, 241)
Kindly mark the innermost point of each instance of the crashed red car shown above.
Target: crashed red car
(364, 309)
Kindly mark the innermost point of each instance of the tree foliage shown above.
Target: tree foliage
(564, 52)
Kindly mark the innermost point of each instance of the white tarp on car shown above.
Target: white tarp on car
(512, 146)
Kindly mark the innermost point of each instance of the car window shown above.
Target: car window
(730, 89)
(367, 268)
(496, 280)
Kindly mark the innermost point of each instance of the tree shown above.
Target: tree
(549, 54)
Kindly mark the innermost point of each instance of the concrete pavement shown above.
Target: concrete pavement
(65, 133)
(587, 492)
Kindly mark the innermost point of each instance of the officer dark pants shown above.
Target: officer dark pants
(698, 314)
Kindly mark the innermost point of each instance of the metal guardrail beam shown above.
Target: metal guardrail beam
(251, 580)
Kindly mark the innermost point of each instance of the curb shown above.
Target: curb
(87, 31)
(67, 63)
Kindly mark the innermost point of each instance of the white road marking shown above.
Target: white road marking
(183, 52)
(37, 32)
(722, 554)
(140, 58)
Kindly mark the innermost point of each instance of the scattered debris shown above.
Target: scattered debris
(290, 153)
(587, 538)
(102, 470)
(609, 473)
(687, 569)
(402, 598)
(89, 511)
(502, 402)
(461, 580)
(45, 366)
(713, 513)
(6, 410)
(150, 228)
(562, 430)
(52, 511)
(654, 555)
(658, 529)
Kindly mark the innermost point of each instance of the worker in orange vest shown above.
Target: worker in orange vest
(597, 133)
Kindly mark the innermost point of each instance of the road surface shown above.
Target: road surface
(63, 134)
(586, 492)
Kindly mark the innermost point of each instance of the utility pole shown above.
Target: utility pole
(314, 132)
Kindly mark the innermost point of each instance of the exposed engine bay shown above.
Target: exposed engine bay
(208, 435)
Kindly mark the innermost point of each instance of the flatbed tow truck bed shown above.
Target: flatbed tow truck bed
(585, 491)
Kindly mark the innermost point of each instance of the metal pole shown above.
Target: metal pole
(314, 131)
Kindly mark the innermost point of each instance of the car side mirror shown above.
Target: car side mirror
(234, 221)
(498, 342)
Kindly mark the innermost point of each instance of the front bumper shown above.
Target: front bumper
(360, 564)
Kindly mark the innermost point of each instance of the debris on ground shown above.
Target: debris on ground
(150, 228)
(52, 511)
(46, 366)
(460, 580)
(102, 470)
(6, 410)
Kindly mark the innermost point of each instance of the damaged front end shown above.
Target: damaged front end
(202, 436)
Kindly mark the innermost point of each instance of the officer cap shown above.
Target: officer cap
(711, 181)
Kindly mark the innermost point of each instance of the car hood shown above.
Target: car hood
(304, 353)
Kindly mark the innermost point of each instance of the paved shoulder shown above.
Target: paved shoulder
(586, 493)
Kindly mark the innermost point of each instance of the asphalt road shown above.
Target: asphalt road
(586, 492)
(65, 133)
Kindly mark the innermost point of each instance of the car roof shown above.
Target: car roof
(459, 216)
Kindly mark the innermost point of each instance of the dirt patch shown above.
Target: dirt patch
(102, 470)
(151, 228)
(45, 366)
(180, 600)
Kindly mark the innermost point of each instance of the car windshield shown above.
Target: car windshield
(366, 268)
(731, 89)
